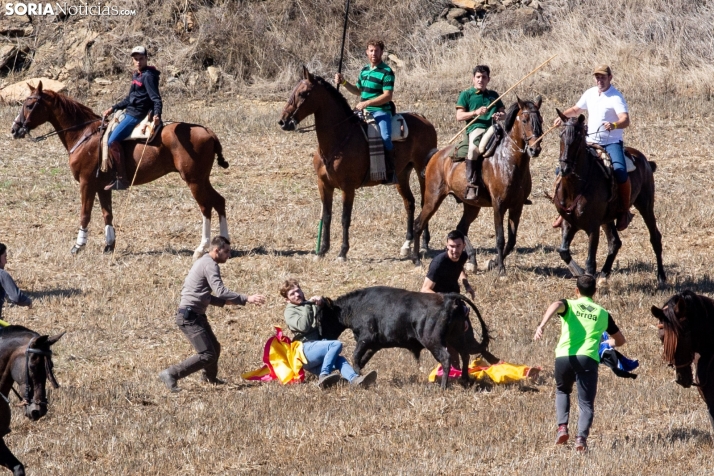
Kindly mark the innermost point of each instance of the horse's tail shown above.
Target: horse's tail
(429, 155)
(218, 149)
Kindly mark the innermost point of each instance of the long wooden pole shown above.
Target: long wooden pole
(544, 134)
(501, 96)
(344, 35)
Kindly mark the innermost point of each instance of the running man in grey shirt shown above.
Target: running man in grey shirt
(203, 287)
(8, 288)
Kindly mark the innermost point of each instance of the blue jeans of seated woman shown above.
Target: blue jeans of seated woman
(123, 130)
(323, 356)
(384, 121)
(617, 155)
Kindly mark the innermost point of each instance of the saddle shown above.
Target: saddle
(140, 132)
(487, 144)
(370, 129)
(605, 161)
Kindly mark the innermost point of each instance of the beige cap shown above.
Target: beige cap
(602, 69)
(138, 50)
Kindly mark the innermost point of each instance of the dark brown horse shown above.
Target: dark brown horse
(506, 175)
(25, 358)
(686, 328)
(342, 157)
(585, 199)
(188, 149)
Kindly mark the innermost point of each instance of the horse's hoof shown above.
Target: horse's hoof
(76, 249)
(198, 253)
(406, 249)
(109, 248)
(602, 280)
(318, 257)
(341, 259)
(492, 264)
(469, 267)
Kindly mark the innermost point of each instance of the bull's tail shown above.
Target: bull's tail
(484, 328)
(218, 148)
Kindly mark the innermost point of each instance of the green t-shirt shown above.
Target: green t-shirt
(470, 100)
(372, 82)
(583, 325)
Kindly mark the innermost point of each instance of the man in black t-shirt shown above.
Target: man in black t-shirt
(447, 269)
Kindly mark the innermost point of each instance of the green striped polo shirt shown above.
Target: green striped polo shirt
(470, 100)
(372, 82)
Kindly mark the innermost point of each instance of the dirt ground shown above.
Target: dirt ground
(113, 416)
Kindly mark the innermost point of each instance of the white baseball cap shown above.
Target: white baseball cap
(138, 50)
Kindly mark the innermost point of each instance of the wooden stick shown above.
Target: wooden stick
(499, 97)
(544, 134)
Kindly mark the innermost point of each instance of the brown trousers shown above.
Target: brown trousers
(201, 336)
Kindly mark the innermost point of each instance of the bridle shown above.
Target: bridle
(29, 397)
(310, 128)
(26, 132)
(526, 139)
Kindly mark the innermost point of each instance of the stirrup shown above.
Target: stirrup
(471, 191)
(117, 184)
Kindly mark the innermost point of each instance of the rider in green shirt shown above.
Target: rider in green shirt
(577, 357)
(474, 102)
(375, 87)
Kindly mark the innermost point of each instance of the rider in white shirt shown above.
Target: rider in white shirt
(608, 115)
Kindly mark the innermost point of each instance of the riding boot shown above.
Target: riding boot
(389, 164)
(473, 167)
(120, 182)
(625, 190)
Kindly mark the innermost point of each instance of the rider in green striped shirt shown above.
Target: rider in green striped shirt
(375, 87)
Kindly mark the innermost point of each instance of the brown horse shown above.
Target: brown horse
(342, 157)
(585, 199)
(506, 175)
(188, 149)
(25, 358)
(686, 328)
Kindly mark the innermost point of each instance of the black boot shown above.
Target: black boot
(389, 165)
(472, 169)
(117, 154)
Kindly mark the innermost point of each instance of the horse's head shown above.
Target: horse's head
(530, 123)
(572, 142)
(32, 113)
(31, 368)
(675, 333)
(298, 106)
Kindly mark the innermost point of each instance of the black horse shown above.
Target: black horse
(585, 199)
(686, 328)
(25, 358)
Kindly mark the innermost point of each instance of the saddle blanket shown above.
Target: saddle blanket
(400, 132)
(602, 154)
(142, 131)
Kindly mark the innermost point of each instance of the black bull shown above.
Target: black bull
(382, 317)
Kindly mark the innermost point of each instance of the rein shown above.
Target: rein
(27, 399)
(54, 133)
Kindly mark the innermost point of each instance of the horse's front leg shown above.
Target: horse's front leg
(569, 232)
(105, 201)
(593, 242)
(613, 246)
(87, 193)
(326, 194)
(410, 206)
(348, 198)
(514, 219)
(468, 216)
(500, 240)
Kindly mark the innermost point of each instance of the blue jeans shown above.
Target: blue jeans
(384, 121)
(323, 356)
(123, 130)
(617, 155)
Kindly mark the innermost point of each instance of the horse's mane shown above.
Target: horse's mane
(569, 130)
(699, 312)
(71, 107)
(339, 98)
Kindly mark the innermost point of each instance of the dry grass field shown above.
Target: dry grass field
(113, 416)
